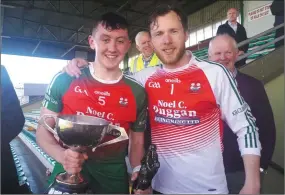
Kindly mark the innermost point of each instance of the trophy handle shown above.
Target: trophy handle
(43, 118)
(118, 132)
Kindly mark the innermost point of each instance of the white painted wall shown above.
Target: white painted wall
(260, 25)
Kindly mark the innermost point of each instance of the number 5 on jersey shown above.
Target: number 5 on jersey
(102, 100)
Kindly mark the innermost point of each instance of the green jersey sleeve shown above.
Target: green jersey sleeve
(141, 101)
(140, 124)
(55, 91)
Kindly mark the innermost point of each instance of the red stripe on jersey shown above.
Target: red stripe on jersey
(175, 141)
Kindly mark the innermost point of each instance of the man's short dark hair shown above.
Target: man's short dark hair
(111, 21)
(164, 9)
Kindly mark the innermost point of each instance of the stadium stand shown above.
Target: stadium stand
(28, 135)
(255, 43)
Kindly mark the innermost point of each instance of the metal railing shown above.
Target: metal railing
(260, 34)
(263, 46)
(259, 48)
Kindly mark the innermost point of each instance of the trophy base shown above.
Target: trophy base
(68, 184)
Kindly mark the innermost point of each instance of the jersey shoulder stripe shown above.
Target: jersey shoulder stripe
(224, 69)
(229, 75)
(137, 89)
(250, 137)
(131, 78)
(59, 74)
(55, 91)
(140, 97)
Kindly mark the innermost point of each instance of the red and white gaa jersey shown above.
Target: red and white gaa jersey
(186, 107)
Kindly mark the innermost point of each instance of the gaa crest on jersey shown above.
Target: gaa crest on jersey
(123, 101)
(195, 87)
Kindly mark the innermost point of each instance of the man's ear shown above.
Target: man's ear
(138, 48)
(91, 42)
(236, 51)
(209, 55)
(237, 13)
(186, 35)
(151, 45)
(130, 44)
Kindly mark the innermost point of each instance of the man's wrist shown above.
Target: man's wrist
(86, 64)
(137, 168)
(253, 183)
(60, 155)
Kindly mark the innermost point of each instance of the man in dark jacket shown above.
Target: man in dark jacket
(277, 9)
(235, 30)
(223, 49)
(12, 122)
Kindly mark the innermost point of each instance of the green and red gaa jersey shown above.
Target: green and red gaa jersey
(122, 102)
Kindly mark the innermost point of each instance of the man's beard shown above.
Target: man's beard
(174, 59)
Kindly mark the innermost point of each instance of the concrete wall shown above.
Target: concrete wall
(260, 25)
(275, 92)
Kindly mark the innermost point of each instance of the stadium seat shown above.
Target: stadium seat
(22, 179)
(203, 53)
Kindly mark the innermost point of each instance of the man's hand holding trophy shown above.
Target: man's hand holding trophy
(73, 161)
(78, 132)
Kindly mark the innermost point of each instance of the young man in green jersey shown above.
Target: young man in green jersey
(101, 91)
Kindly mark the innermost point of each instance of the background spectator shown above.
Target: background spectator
(235, 30)
(277, 9)
(223, 49)
(147, 57)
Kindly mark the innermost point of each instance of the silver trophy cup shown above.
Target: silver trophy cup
(79, 132)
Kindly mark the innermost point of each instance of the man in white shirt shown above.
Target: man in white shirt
(235, 30)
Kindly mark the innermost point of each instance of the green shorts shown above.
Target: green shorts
(103, 177)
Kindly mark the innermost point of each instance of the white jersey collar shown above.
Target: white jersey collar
(91, 69)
